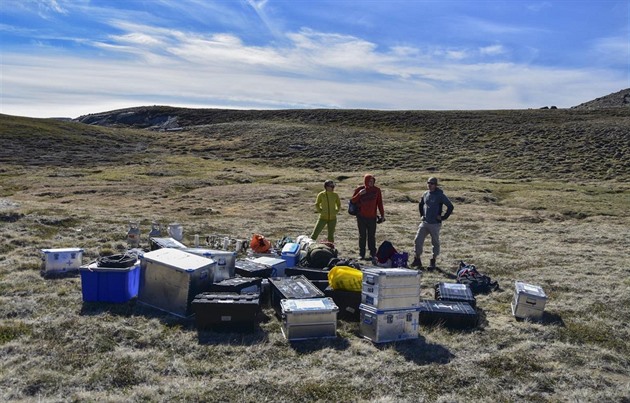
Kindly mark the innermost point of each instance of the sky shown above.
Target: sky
(67, 58)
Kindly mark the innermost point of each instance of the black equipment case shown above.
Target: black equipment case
(455, 292)
(226, 310)
(347, 301)
(296, 287)
(447, 313)
(249, 268)
(308, 272)
(239, 285)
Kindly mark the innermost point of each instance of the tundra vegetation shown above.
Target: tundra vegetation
(541, 196)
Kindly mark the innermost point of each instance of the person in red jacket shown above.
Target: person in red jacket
(370, 201)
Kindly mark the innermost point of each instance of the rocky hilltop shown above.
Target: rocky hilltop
(614, 100)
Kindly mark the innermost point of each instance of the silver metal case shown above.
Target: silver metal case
(226, 261)
(309, 318)
(381, 326)
(529, 301)
(170, 279)
(394, 277)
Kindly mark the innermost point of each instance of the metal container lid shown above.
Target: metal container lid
(308, 304)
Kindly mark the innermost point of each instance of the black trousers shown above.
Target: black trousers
(367, 231)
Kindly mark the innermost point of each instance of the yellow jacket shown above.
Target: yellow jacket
(327, 205)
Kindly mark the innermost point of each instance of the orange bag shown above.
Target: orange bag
(259, 244)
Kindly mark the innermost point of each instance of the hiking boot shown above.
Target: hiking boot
(431, 264)
(416, 262)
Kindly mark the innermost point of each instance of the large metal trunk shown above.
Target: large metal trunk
(170, 279)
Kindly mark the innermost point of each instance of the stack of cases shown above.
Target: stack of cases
(390, 300)
(230, 311)
(296, 287)
(529, 301)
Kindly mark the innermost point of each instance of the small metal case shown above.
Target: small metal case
(309, 318)
(386, 325)
(170, 279)
(529, 301)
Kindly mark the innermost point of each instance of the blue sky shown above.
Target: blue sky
(73, 57)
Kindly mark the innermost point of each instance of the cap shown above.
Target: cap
(432, 180)
(329, 183)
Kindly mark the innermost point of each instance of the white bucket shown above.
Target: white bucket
(176, 231)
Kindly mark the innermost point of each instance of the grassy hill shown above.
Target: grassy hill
(540, 196)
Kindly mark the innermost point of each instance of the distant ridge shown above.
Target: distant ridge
(614, 100)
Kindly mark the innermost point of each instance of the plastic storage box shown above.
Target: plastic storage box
(291, 254)
(226, 310)
(309, 318)
(529, 301)
(62, 260)
(297, 287)
(455, 292)
(386, 325)
(249, 268)
(109, 284)
(448, 313)
(226, 261)
(170, 279)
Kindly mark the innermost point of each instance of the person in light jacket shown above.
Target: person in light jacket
(327, 205)
(431, 205)
(370, 201)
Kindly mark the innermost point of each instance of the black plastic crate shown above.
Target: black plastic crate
(238, 285)
(226, 311)
(296, 287)
(248, 268)
(447, 313)
(308, 272)
(455, 292)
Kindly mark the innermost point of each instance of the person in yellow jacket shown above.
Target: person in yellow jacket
(327, 205)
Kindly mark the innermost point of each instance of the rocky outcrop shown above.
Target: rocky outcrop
(617, 99)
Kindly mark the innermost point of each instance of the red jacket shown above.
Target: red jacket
(370, 201)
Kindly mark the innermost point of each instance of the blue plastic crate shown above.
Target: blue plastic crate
(107, 284)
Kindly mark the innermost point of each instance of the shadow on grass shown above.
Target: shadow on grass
(421, 352)
(551, 319)
(241, 335)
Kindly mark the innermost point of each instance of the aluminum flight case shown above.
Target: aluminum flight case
(455, 292)
(226, 311)
(170, 279)
(529, 301)
(386, 325)
(308, 318)
(225, 259)
(448, 313)
(394, 277)
(296, 287)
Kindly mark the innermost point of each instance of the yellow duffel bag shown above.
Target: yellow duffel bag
(345, 278)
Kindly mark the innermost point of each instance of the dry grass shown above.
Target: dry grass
(568, 234)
